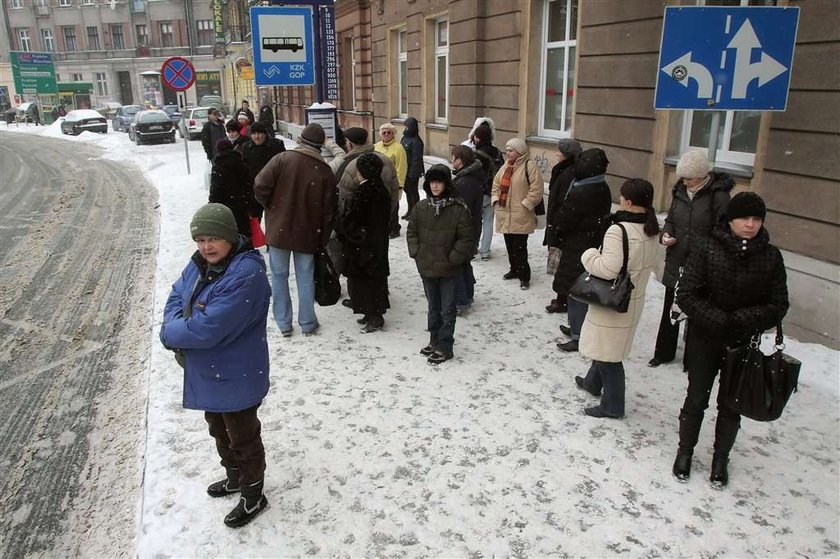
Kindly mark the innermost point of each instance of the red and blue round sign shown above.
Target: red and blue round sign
(177, 73)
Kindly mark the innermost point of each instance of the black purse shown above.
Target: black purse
(755, 385)
(614, 293)
(327, 284)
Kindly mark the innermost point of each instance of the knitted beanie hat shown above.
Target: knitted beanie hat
(746, 204)
(313, 135)
(518, 145)
(693, 164)
(215, 220)
(358, 136)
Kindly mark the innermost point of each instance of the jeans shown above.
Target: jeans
(278, 260)
(669, 333)
(608, 377)
(440, 295)
(577, 314)
(517, 249)
(238, 442)
(466, 287)
(487, 215)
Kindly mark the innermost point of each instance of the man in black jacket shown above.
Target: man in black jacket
(257, 152)
(212, 131)
(469, 182)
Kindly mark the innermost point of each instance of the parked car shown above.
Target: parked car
(192, 121)
(151, 126)
(212, 101)
(84, 120)
(125, 116)
(24, 112)
(108, 109)
(174, 113)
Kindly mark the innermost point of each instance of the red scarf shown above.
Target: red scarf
(504, 185)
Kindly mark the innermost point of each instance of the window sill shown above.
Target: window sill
(734, 169)
(548, 140)
(436, 126)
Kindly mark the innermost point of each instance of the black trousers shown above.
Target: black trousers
(394, 221)
(669, 333)
(517, 249)
(238, 442)
(412, 193)
(704, 359)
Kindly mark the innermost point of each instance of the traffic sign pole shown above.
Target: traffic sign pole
(178, 73)
(182, 106)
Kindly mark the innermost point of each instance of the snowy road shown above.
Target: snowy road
(77, 249)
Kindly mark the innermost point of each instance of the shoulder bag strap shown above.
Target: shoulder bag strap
(625, 245)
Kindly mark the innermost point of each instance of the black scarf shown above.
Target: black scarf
(628, 217)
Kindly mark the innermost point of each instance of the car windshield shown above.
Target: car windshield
(131, 111)
(199, 113)
(154, 116)
(170, 109)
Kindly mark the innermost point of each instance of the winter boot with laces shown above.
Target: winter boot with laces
(251, 503)
(227, 486)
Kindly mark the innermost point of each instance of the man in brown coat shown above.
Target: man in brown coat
(299, 194)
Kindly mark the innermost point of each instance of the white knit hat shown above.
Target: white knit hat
(693, 164)
(517, 144)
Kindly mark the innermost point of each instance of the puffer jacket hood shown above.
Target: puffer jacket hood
(478, 122)
(591, 163)
(412, 127)
(440, 173)
(229, 160)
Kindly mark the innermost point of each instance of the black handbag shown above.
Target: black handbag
(755, 385)
(614, 293)
(327, 284)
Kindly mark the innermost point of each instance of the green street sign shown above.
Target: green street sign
(34, 73)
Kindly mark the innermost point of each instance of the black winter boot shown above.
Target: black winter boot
(720, 472)
(227, 486)
(682, 465)
(251, 503)
(689, 433)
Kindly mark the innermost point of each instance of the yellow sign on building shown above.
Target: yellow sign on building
(248, 73)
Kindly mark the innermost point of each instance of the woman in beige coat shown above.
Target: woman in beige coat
(517, 189)
(607, 335)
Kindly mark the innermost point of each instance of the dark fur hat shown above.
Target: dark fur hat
(440, 173)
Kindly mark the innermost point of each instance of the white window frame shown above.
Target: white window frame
(101, 80)
(402, 59)
(24, 40)
(47, 39)
(166, 29)
(566, 45)
(142, 40)
(205, 25)
(77, 77)
(88, 2)
(723, 154)
(17, 4)
(65, 3)
(441, 52)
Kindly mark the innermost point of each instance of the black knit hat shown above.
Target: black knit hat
(258, 127)
(215, 220)
(591, 163)
(369, 166)
(746, 204)
(358, 136)
(313, 135)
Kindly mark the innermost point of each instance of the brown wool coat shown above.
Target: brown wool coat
(607, 335)
(518, 215)
(298, 190)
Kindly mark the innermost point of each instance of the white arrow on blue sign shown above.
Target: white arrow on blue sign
(726, 58)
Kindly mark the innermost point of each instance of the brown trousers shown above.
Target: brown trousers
(238, 442)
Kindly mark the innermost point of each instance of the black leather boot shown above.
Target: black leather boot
(251, 503)
(682, 465)
(720, 471)
(227, 486)
(689, 433)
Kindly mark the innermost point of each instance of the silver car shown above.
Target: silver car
(192, 121)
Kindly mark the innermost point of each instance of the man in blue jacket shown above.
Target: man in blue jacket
(215, 322)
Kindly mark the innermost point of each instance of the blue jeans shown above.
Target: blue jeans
(466, 286)
(278, 260)
(487, 214)
(577, 313)
(610, 378)
(440, 295)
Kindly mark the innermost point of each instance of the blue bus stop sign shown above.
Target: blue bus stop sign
(726, 58)
(282, 42)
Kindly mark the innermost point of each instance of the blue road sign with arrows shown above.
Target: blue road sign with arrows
(726, 58)
(282, 41)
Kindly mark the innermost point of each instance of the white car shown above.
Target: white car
(192, 121)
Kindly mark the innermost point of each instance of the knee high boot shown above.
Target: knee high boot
(726, 431)
(689, 434)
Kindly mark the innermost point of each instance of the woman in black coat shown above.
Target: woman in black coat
(562, 176)
(413, 146)
(231, 185)
(734, 286)
(698, 203)
(363, 232)
(583, 218)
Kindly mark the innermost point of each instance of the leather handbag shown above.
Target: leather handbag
(327, 284)
(755, 385)
(614, 293)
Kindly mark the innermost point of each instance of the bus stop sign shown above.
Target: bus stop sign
(283, 48)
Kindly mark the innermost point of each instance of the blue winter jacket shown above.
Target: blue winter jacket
(224, 339)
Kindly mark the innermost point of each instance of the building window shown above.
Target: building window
(88, 3)
(69, 38)
(738, 133)
(47, 40)
(65, 3)
(17, 3)
(24, 42)
(93, 38)
(441, 70)
(101, 83)
(558, 66)
(402, 73)
(76, 77)
(142, 36)
(117, 41)
(166, 38)
(205, 32)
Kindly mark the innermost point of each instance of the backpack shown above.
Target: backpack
(491, 166)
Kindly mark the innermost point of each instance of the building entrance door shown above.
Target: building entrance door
(124, 79)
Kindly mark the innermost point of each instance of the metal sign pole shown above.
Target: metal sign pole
(182, 106)
(713, 137)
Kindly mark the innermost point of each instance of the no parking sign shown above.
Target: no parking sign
(177, 73)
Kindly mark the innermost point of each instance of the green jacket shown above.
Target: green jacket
(440, 237)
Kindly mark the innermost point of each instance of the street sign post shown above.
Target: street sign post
(179, 74)
(329, 65)
(283, 46)
(726, 58)
(34, 73)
